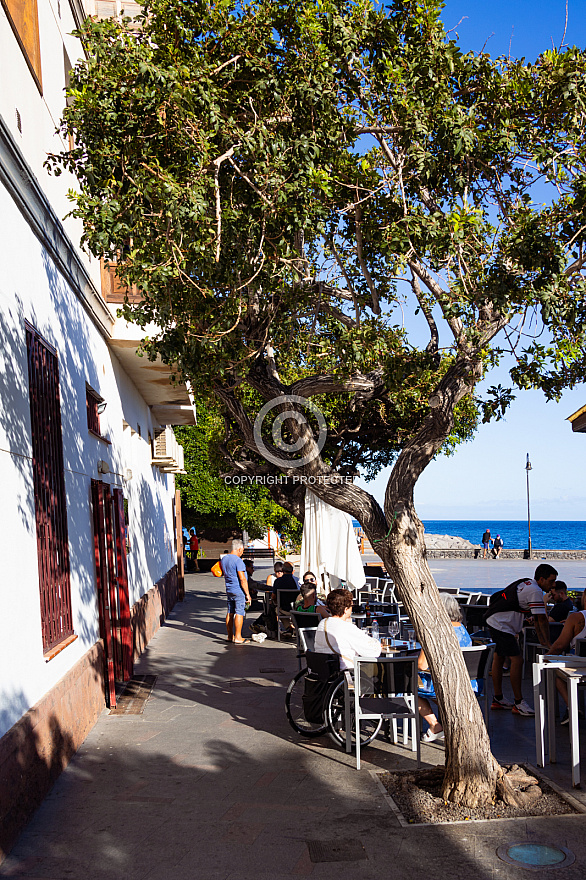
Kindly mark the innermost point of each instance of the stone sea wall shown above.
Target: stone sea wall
(450, 547)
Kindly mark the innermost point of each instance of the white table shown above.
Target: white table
(573, 670)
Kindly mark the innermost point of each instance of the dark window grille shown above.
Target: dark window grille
(49, 491)
(93, 417)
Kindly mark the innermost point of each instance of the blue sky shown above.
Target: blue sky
(485, 478)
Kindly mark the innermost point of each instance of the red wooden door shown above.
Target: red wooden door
(123, 595)
(112, 585)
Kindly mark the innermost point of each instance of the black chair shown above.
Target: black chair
(478, 660)
(306, 700)
(285, 599)
(580, 647)
(473, 617)
(305, 619)
(374, 571)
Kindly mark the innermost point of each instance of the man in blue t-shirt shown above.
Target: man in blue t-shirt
(236, 591)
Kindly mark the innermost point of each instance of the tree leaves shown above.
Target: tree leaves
(274, 173)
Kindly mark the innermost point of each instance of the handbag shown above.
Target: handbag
(217, 570)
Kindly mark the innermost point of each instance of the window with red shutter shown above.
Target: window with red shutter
(49, 490)
(92, 401)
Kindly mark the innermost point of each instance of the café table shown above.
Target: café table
(573, 670)
(399, 648)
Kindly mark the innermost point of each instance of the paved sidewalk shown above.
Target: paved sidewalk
(210, 783)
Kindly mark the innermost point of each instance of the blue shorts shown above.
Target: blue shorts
(236, 603)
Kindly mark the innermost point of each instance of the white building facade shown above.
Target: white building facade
(89, 517)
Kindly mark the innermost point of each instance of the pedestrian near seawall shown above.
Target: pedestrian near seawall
(486, 540)
(497, 546)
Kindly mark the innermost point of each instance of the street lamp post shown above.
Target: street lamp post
(527, 469)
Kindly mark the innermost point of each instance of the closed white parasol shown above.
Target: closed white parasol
(328, 546)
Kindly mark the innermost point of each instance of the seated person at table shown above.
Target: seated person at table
(435, 733)
(278, 571)
(562, 606)
(285, 582)
(338, 635)
(574, 628)
(252, 584)
(310, 602)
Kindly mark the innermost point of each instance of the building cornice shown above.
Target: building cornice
(23, 186)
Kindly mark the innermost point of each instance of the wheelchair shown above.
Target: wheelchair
(315, 701)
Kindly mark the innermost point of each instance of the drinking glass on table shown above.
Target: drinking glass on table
(411, 637)
(394, 629)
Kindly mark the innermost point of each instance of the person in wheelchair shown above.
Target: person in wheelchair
(338, 635)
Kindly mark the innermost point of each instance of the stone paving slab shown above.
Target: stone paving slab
(210, 782)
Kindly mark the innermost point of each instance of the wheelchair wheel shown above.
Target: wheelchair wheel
(294, 709)
(334, 714)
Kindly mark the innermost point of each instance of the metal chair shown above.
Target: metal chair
(388, 591)
(386, 690)
(366, 595)
(371, 584)
(473, 617)
(305, 642)
(478, 660)
(530, 639)
(304, 622)
(285, 599)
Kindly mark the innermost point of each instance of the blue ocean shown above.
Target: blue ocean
(545, 534)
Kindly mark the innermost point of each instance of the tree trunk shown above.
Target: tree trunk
(471, 770)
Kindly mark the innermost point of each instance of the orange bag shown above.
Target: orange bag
(217, 570)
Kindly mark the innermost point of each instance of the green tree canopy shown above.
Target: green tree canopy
(209, 502)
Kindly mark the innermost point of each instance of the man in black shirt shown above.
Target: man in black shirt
(562, 606)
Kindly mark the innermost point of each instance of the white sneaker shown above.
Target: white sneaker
(429, 737)
(503, 703)
(522, 708)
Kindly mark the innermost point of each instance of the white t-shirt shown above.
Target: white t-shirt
(531, 599)
(346, 639)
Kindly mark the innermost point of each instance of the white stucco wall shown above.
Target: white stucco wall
(32, 288)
